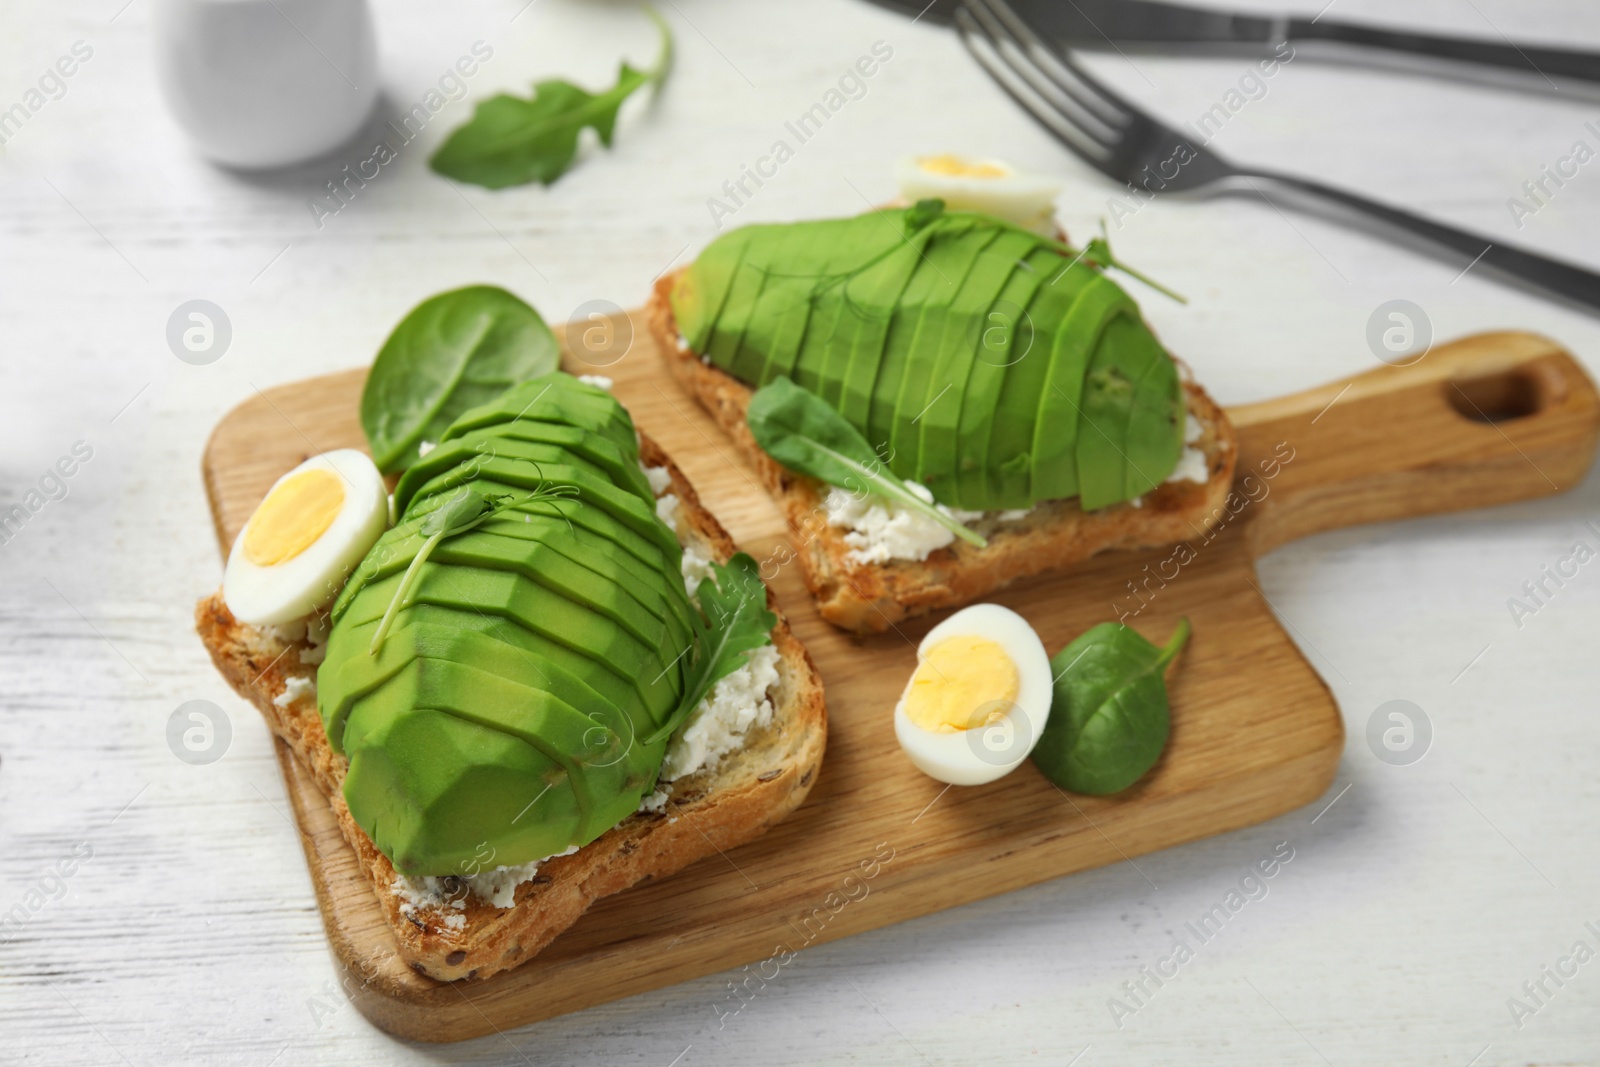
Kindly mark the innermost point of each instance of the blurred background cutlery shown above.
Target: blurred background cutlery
(1131, 146)
(1154, 26)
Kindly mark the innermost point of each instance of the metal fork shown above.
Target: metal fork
(1127, 144)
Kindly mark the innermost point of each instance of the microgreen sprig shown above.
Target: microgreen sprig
(464, 511)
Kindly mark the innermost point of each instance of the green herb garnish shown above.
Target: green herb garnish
(736, 622)
(1109, 719)
(464, 511)
(513, 141)
(803, 432)
(1098, 252)
(451, 352)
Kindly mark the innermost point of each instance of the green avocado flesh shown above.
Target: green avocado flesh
(995, 366)
(503, 717)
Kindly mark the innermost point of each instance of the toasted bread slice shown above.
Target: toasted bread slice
(714, 809)
(871, 597)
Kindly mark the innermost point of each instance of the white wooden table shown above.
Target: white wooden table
(1415, 905)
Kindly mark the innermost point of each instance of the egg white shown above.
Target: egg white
(1025, 199)
(269, 595)
(954, 757)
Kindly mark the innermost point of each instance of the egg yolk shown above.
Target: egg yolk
(956, 167)
(293, 516)
(963, 682)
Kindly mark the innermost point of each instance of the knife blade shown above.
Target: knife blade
(1154, 25)
(1087, 23)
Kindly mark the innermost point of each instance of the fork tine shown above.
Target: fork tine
(1016, 55)
(1026, 92)
(1110, 108)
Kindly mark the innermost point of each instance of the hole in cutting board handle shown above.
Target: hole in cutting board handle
(1502, 397)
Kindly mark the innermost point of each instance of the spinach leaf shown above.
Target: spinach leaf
(803, 432)
(736, 622)
(452, 352)
(1109, 719)
(513, 141)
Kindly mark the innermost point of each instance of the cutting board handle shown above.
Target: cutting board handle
(1485, 420)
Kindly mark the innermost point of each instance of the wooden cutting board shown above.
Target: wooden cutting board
(1255, 731)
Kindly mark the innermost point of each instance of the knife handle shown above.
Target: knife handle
(1522, 59)
(1577, 284)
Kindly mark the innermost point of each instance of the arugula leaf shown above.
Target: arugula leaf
(513, 141)
(464, 511)
(736, 622)
(1109, 719)
(450, 353)
(803, 432)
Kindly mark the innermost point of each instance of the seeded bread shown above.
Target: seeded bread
(871, 597)
(714, 809)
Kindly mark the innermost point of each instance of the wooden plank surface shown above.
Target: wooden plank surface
(1255, 730)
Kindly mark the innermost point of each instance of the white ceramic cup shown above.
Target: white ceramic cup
(267, 83)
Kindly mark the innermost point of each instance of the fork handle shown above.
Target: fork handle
(1576, 284)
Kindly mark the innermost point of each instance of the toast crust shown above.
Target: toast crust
(872, 597)
(714, 809)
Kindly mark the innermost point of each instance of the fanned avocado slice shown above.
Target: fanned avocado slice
(619, 432)
(394, 550)
(663, 592)
(907, 319)
(825, 350)
(871, 299)
(952, 258)
(434, 789)
(822, 246)
(812, 357)
(442, 633)
(648, 555)
(699, 292)
(1058, 434)
(551, 570)
(623, 468)
(934, 282)
(640, 556)
(433, 630)
(518, 480)
(578, 624)
(937, 463)
(604, 451)
(530, 593)
(559, 398)
(1155, 428)
(1126, 353)
(593, 762)
(783, 293)
(558, 395)
(743, 294)
(866, 300)
(1005, 337)
(608, 767)
(463, 464)
(1010, 448)
(657, 681)
(611, 749)
(591, 554)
